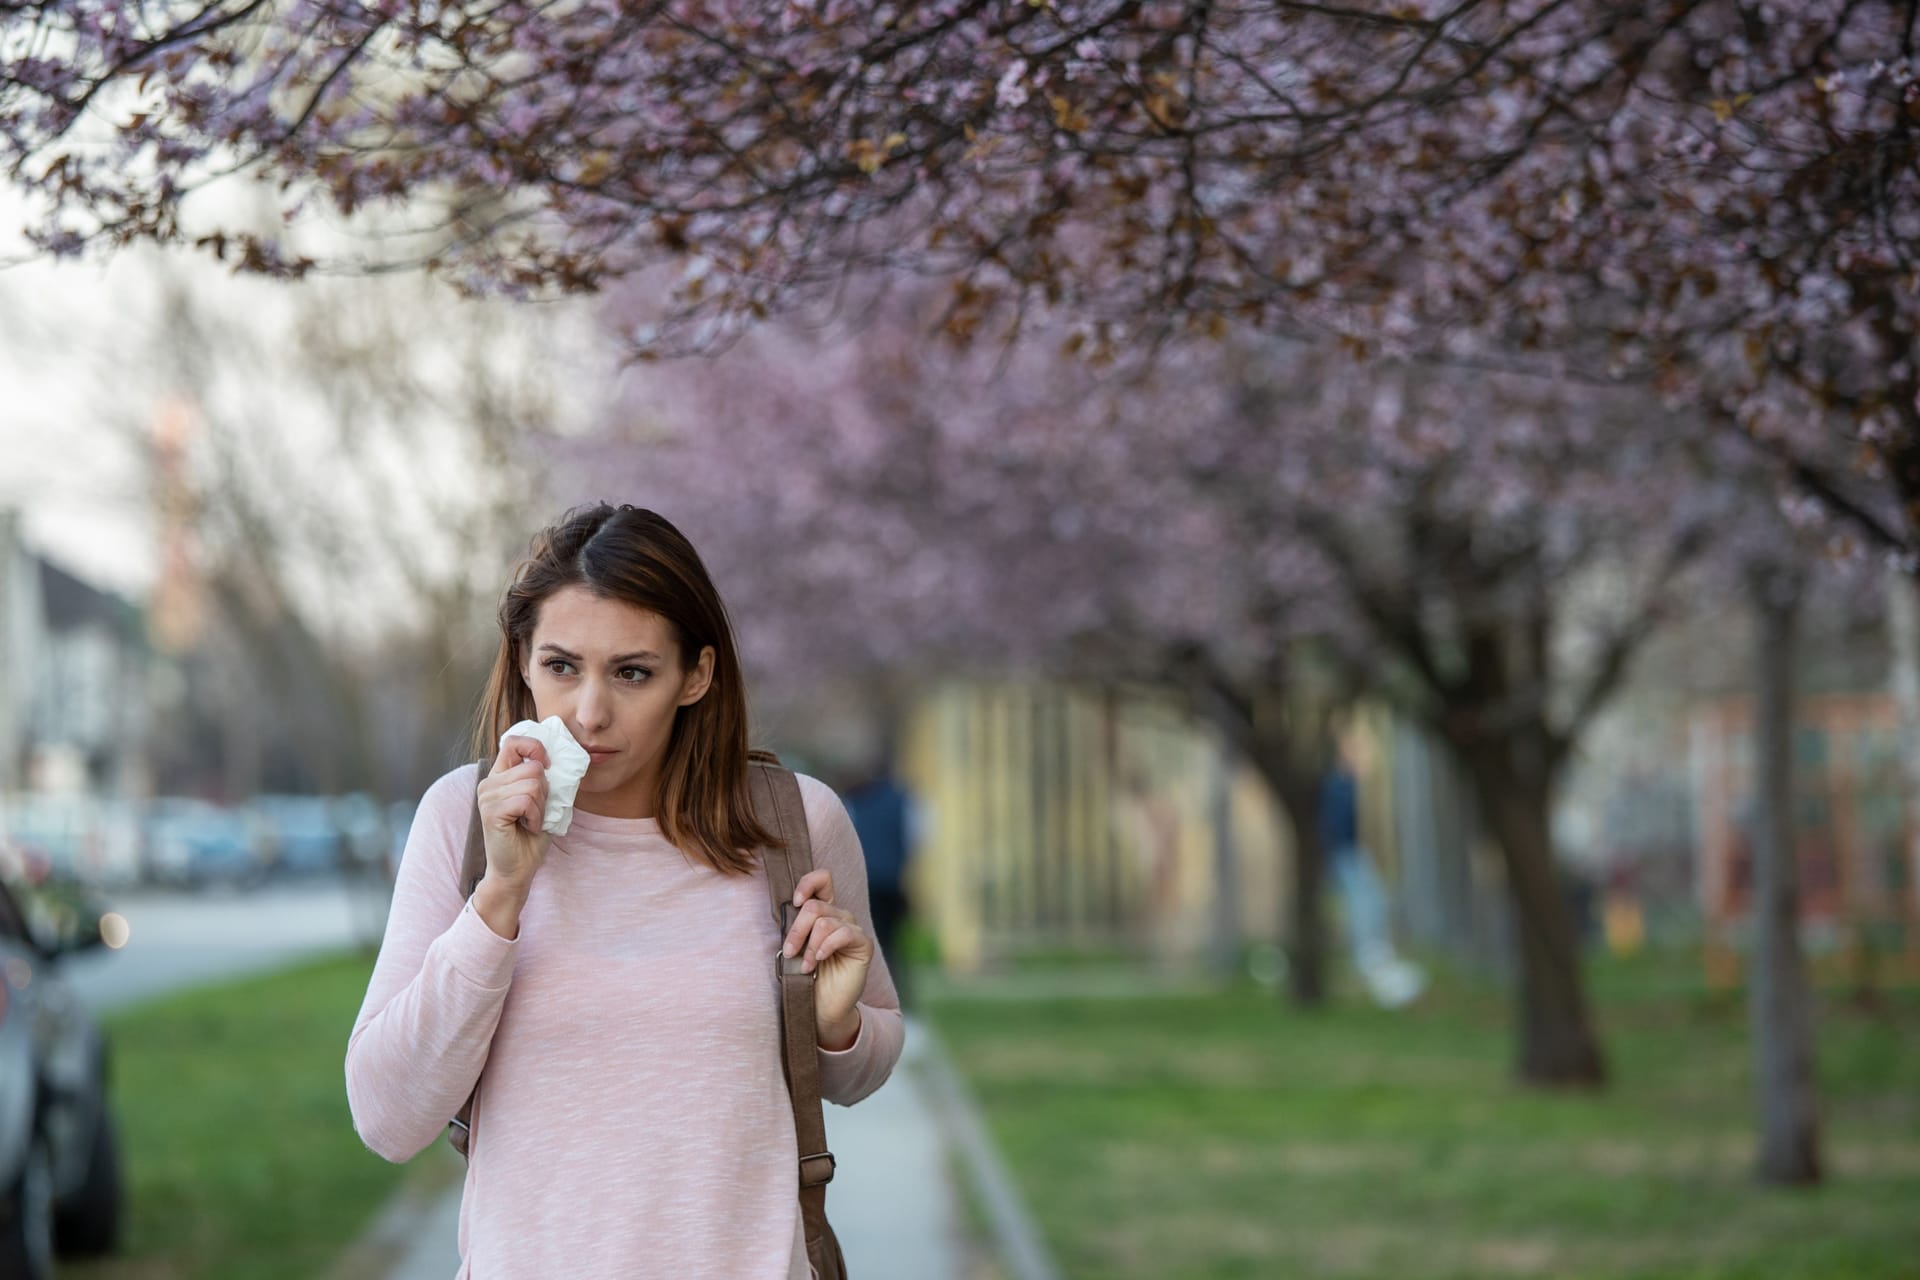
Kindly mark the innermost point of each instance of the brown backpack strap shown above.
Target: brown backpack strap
(777, 804)
(473, 865)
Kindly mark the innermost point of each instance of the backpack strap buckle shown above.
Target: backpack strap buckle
(811, 1174)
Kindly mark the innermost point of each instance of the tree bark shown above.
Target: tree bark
(1778, 990)
(1266, 744)
(1226, 949)
(1307, 926)
(1557, 1047)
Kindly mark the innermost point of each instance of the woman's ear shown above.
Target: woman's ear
(698, 680)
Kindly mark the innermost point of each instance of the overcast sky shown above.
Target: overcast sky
(80, 390)
(80, 489)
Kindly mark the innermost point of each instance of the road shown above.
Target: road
(179, 940)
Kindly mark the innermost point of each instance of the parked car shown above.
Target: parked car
(53, 827)
(113, 858)
(363, 826)
(61, 1190)
(302, 832)
(191, 843)
(399, 827)
(95, 838)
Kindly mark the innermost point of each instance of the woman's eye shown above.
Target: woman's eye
(556, 662)
(641, 672)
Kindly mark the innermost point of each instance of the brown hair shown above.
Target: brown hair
(631, 554)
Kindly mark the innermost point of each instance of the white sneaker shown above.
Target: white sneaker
(1394, 983)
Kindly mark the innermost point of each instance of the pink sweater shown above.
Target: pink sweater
(633, 1118)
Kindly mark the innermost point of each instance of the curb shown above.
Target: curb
(1016, 1240)
(396, 1230)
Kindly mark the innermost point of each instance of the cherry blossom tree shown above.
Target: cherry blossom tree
(1235, 517)
(884, 503)
(1718, 196)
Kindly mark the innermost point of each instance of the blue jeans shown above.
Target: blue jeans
(1366, 903)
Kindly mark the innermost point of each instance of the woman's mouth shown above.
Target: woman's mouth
(596, 754)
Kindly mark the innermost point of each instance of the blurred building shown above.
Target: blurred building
(1852, 832)
(75, 680)
(1065, 819)
(1062, 818)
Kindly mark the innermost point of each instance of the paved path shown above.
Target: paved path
(891, 1202)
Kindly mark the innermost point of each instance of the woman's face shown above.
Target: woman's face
(613, 674)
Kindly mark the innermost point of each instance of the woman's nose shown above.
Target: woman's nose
(595, 701)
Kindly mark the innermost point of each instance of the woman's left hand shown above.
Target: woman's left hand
(837, 952)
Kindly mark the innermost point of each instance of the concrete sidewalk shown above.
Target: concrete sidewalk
(891, 1202)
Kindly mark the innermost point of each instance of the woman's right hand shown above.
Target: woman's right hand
(513, 805)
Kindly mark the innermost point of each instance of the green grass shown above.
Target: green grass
(1226, 1136)
(240, 1154)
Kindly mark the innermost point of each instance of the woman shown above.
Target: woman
(616, 983)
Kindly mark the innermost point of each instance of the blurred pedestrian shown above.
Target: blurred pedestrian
(1391, 981)
(887, 818)
(605, 1012)
(1150, 814)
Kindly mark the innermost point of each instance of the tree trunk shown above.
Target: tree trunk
(1226, 943)
(1264, 742)
(1307, 928)
(1557, 1046)
(1778, 990)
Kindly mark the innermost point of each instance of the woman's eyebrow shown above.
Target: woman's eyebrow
(644, 655)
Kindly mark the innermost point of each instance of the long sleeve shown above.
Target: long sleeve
(423, 1032)
(852, 1073)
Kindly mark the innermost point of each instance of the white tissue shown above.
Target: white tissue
(567, 764)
